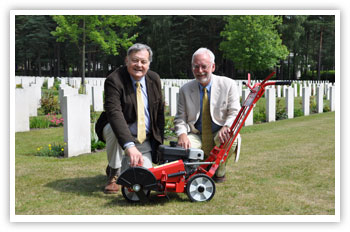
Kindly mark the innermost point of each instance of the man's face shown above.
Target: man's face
(138, 64)
(202, 68)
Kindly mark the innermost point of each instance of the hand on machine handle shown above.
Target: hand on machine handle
(136, 158)
(183, 141)
(224, 134)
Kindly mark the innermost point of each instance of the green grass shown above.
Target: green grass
(286, 168)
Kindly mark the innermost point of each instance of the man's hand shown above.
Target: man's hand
(224, 134)
(183, 141)
(136, 158)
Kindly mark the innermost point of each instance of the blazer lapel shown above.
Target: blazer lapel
(195, 98)
(130, 91)
(150, 93)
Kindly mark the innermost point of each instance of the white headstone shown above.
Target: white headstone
(332, 98)
(270, 105)
(319, 99)
(166, 94)
(66, 91)
(249, 120)
(77, 128)
(50, 82)
(173, 92)
(278, 91)
(22, 110)
(32, 101)
(306, 101)
(97, 98)
(290, 102)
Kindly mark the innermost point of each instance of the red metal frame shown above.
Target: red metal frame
(171, 177)
(218, 154)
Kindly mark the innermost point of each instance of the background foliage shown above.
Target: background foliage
(295, 45)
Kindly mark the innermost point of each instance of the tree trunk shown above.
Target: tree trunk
(58, 60)
(39, 65)
(319, 57)
(83, 59)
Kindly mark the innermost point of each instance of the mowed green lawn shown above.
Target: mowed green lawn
(285, 168)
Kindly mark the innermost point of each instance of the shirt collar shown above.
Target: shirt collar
(142, 81)
(208, 86)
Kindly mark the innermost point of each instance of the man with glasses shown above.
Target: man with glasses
(206, 109)
(133, 121)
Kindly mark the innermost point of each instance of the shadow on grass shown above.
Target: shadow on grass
(153, 199)
(86, 186)
(93, 187)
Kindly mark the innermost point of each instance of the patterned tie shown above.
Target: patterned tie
(141, 127)
(207, 134)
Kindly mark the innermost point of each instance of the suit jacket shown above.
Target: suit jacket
(121, 107)
(224, 104)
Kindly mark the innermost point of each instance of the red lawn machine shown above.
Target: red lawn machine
(183, 170)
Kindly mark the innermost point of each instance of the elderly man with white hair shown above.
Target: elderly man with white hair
(206, 109)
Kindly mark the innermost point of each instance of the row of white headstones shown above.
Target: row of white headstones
(75, 107)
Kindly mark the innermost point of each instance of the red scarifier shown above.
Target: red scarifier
(183, 170)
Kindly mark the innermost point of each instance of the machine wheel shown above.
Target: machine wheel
(200, 187)
(133, 196)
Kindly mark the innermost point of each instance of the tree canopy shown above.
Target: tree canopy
(252, 42)
(297, 46)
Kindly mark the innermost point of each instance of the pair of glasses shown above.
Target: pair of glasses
(135, 61)
(203, 67)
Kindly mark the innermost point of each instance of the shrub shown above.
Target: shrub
(45, 84)
(39, 122)
(97, 145)
(259, 117)
(326, 108)
(313, 104)
(169, 128)
(280, 110)
(298, 113)
(54, 121)
(55, 150)
(56, 84)
(49, 103)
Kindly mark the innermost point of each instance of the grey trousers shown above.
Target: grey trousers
(116, 155)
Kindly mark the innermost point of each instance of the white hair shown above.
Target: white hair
(204, 50)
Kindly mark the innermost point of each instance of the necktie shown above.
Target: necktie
(141, 127)
(207, 134)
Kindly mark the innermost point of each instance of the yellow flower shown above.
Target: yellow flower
(49, 145)
(62, 149)
(50, 148)
(38, 149)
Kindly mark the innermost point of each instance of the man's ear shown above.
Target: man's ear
(126, 61)
(213, 67)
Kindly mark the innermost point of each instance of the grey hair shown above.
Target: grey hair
(138, 47)
(204, 50)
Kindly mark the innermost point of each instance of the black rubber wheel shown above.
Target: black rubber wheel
(134, 197)
(200, 187)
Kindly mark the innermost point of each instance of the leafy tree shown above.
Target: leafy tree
(292, 30)
(252, 41)
(320, 31)
(101, 30)
(33, 38)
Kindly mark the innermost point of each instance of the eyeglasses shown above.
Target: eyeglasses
(135, 61)
(203, 67)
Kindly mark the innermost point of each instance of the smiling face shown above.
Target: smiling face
(202, 68)
(138, 64)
